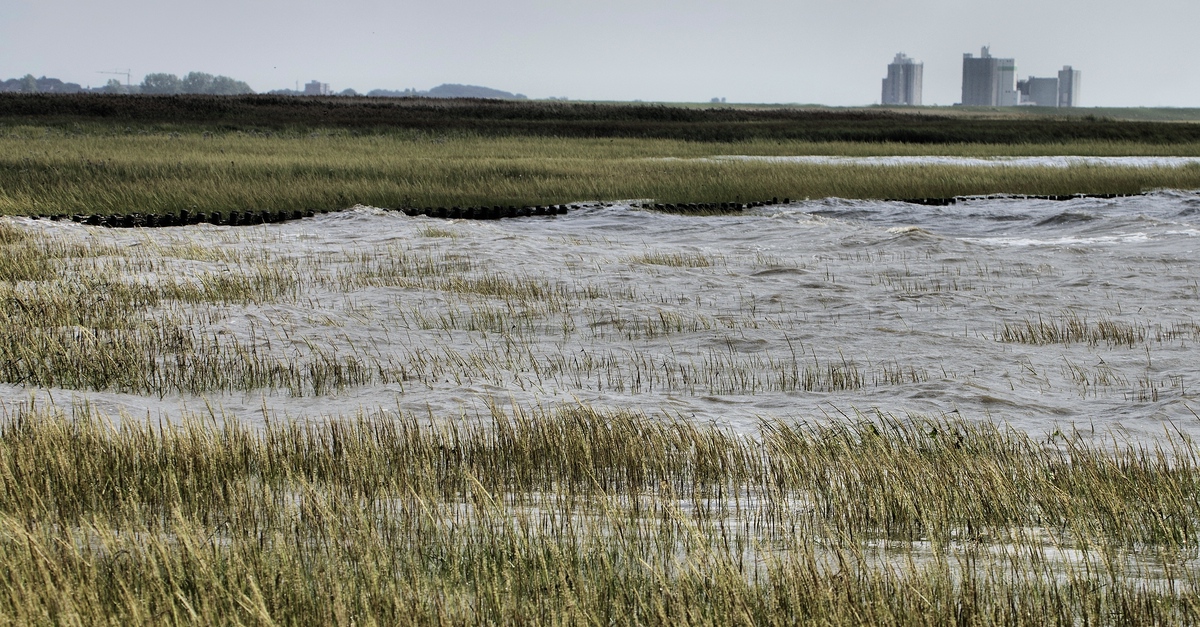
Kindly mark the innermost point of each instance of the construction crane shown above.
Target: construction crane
(128, 74)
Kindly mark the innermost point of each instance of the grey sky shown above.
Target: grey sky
(833, 52)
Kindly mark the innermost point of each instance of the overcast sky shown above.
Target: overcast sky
(835, 52)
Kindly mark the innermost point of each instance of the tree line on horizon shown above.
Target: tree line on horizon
(159, 83)
(207, 84)
(447, 90)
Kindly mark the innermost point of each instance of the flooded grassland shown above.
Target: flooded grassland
(828, 410)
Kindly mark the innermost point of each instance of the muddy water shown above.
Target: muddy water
(797, 312)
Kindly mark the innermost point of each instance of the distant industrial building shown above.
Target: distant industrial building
(1068, 87)
(1060, 91)
(317, 88)
(1041, 92)
(903, 83)
(989, 81)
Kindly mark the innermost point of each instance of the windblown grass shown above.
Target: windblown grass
(1072, 327)
(678, 259)
(49, 173)
(433, 231)
(577, 515)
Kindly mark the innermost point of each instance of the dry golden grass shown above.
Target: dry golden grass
(573, 515)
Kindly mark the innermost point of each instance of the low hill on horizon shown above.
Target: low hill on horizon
(446, 90)
(451, 90)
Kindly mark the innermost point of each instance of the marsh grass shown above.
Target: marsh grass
(50, 173)
(10, 234)
(161, 318)
(563, 514)
(433, 231)
(82, 317)
(75, 316)
(575, 515)
(1072, 327)
(519, 513)
(679, 259)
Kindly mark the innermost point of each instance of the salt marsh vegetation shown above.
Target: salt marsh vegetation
(822, 411)
(106, 172)
(571, 515)
(811, 412)
(677, 259)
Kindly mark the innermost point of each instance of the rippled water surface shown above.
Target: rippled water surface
(1039, 313)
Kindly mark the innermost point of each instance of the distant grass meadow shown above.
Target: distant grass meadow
(99, 155)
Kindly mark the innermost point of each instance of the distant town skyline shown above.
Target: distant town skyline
(767, 51)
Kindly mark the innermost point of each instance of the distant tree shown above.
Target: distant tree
(348, 92)
(198, 83)
(29, 84)
(225, 86)
(114, 86)
(56, 86)
(161, 84)
(392, 93)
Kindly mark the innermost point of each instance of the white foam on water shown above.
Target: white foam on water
(1107, 240)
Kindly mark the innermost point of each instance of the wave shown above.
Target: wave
(1066, 217)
